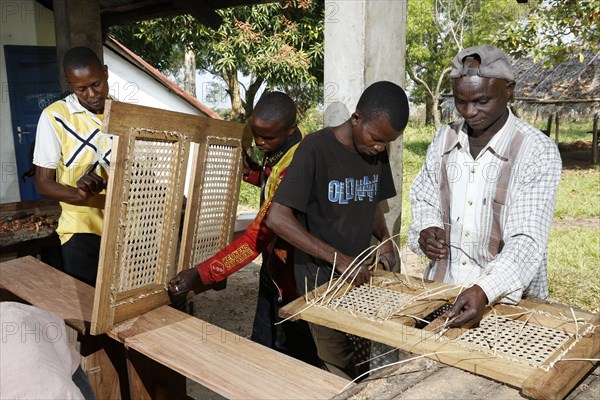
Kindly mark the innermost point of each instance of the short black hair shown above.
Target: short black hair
(384, 99)
(80, 57)
(276, 106)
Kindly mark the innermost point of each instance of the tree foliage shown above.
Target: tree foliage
(437, 30)
(553, 30)
(278, 46)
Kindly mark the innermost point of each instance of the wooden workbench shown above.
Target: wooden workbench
(27, 241)
(548, 360)
(425, 379)
(162, 346)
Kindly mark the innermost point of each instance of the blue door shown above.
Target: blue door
(33, 84)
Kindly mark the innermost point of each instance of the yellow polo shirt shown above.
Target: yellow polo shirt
(69, 140)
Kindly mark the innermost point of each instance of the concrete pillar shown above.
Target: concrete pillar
(76, 23)
(365, 42)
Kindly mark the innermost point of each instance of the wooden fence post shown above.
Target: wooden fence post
(556, 121)
(595, 139)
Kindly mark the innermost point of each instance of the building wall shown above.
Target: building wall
(131, 85)
(25, 23)
(28, 23)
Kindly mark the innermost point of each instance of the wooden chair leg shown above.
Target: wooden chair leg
(104, 362)
(150, 380)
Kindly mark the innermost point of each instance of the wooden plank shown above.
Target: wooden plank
(103, 313)
(48, 288)
(191, 209)
(44, 205)
(224, 362)
(120, 117)
(565, 374)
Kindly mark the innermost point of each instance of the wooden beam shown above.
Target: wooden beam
(556, 125)
(205, 14)
(76, 23)
(114, 16)
(65, 296)
(557, 101)
(195, 127)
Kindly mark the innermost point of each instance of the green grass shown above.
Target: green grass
(416, 140)
(249, 196)
(568, 132)
(578, 193)
(574, 267)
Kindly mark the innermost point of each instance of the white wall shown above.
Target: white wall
(28, 23)
(131, 85)
(24, 23)
(365, 42)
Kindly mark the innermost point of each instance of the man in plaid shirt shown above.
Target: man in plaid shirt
(484, 199)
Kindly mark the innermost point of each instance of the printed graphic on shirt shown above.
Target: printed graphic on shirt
(82, 135)
(350, 189)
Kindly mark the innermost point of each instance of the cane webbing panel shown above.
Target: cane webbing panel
(151, 181)
(372, 302)
(519, 345)
(218, 186)
(517, 340)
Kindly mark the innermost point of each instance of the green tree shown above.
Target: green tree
(436, 31)
(553, 30)
(278, 46)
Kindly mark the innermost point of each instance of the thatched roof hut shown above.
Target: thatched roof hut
(570, 87)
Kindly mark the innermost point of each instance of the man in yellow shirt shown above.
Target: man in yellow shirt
(72, 156)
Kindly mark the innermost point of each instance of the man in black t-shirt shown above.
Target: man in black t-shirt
(327, 205)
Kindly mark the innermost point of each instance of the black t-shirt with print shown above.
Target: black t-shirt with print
(336, 191)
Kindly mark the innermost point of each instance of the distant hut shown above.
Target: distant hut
(572, 88)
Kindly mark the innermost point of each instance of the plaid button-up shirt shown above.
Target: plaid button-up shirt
(516, 207)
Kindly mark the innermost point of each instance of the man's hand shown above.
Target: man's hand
(387, 260)
(432, 242)
(245, 158)
(90, 184)
(468, 308)
(362, 273)
(184, 282)
(387, 256)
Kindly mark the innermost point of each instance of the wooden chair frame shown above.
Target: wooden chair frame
(563, 370)
(175, 135)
